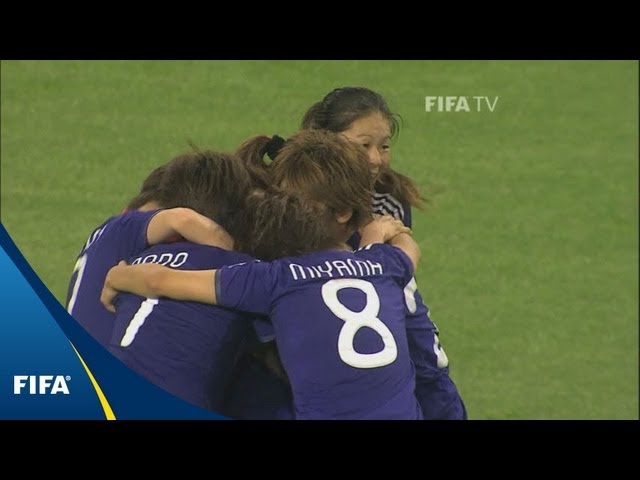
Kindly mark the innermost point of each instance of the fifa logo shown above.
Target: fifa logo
(41, 384)
(459, 104)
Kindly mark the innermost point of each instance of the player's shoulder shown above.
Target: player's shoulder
(103, 231)
(130, 219)
(310, 258)
(112, 220)
(374, 249)
(284, 267)
(129, 215)
(384, 253)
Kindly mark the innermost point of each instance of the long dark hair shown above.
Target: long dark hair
(338, 110)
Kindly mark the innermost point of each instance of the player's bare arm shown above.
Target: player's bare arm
(152, 280)
(408, 245)
(189, 225)
(381, 229)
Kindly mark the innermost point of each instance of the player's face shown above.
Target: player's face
(373, 132)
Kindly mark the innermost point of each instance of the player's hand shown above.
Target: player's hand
(384, 228)
(108, 294)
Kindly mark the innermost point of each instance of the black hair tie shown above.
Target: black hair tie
(273, 146)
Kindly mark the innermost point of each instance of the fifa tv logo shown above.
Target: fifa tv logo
(40, 384)
(459, 104)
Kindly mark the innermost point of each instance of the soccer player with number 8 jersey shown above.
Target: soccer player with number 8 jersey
(364, 118)
(338, 315)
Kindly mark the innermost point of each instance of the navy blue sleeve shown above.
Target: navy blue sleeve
(425, 350)
(245, 286)
(264, 329)
(133, 225)
(406, 219)
(436, 393)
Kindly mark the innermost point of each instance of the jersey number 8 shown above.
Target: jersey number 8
(354, 321)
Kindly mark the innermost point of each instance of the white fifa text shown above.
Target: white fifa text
(40, 384)
(460, 104)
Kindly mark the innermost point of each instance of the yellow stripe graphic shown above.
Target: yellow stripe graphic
(103, 400)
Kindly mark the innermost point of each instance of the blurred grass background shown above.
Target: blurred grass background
(530, 250)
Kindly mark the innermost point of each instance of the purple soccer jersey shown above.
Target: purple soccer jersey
(339, 320)
(186, 348)
(118, 238)
(435, 390)
(258, 394)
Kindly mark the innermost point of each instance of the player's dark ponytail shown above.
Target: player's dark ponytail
(252, 152)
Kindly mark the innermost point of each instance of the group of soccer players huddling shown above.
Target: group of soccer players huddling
(276, 282)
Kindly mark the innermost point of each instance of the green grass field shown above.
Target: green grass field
(530, 250)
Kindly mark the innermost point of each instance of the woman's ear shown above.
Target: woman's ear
(344, 217)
